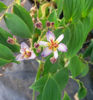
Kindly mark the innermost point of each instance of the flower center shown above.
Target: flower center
(53, 45)
(27, 54)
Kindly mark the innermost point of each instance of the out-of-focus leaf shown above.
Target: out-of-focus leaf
(24, 15)
(2, 6)
(17, 26)
(66, 97)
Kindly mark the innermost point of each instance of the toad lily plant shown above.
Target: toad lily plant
(53, 45)
(55, 31)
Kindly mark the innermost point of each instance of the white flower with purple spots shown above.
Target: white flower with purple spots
(26, 53)
(53, 46)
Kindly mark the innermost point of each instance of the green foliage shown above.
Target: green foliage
(24, 15)
(17, 26)
(53, 18)
(66, 97)
(72, 9)
(39, 84)
(87, 5)
(76, 66)
(82, 91)
(89, 51)
(7, 53)
(2, 6)
(3, 39)
(62, 77)
(51, 90)
(3, 62)
(75, 41)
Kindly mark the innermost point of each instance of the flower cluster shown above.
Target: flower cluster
(52, 45)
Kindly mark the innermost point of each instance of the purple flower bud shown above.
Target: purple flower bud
(48, 24)
(38, 25)
(53, 60)
(36, 45)
(52, 24)
(11, 40)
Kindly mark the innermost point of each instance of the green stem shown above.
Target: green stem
(37, 76)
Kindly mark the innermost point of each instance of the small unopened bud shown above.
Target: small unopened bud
(36, 45)
(11, 40)
(38, 25)
(38, 50)
(53, 60)
(52, 24)
(48, 24)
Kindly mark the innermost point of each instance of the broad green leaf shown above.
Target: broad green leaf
(66, 97)
(76, 66)
(39, 84)
(3, 39)
(24, 15)
(62, 77)
(17, 25)
(39, 97)
(3, 62)
(2, 6)
(6, 53)
(72, 9)
(53, 18)
(82, 91)
(87, 6)
(51, 90)
(75, 40)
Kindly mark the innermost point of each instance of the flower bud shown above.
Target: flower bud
(48, 24)
(11, 40)
(52, 24)
(53, 60)
(36, 45)
(38, 25)
(38, 50)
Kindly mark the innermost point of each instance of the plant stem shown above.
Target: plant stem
(37, 75)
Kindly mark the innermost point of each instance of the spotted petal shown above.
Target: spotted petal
(23, 47)
(60, 38)
(62, 47)
(56, 54)
(19, 57)
(33, 56)
(46, 52)
(50, 36)
(43, 43)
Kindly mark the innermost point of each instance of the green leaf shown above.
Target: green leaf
(72, 9)
(62, 77)
(7, 53)
(76, 66)
(59, 6)
(91, 19)
(87, 6)
(24, 15)
(92, 55)
(2, 6)
(3, 39)
(82, 91)
(39, 84)
(51, 90)
(49, 67)
(17, 26)
(66, 97)
(53, 18)
(3, 62)
(75, 40)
